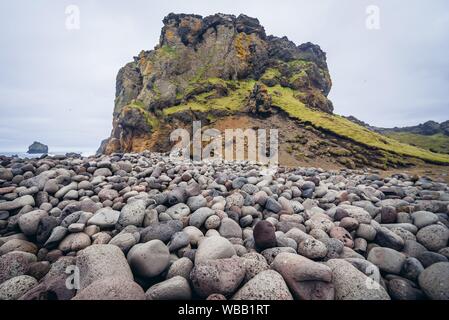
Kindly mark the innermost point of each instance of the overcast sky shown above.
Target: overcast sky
(57, 86)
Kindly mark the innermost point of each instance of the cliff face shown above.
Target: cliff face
(210, 67)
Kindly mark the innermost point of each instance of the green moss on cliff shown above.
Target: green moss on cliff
(234, 101)
(285, 99)
(150, 119)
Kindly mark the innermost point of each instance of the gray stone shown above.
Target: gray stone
(98, 262)
(351, 284)
(132, 214)
(176, 288)
(308, 280)
(112, 288)
(29, 222)
(230, 229)
(434, 281)
(433, 237)
(388, 260)
(178, 211)
(198, 218)
(16, 287)
(267, 285)
(105, 218)
(212, 248)
(149, 259)
(423, 219)
(221, 276)
(194, 203)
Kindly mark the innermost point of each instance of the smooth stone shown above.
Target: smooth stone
(428, 258)
(412, 268)
(366, 232)
(194, 203)
(98, 262)
(15, 264)
(433, 237)
(176, 288)
(267, 285)
(74, 242)
(423, 219)
(179, 240)
(149, 259)
(29, 222)
(221, 276)
(389, 239)
(181, 267)
(112, 288)
(16, 287)
(124, 241)
(413, 248)
(352, 284)
(402, 289)
(18, 245)
(307, 280)
(178, 211)
(264, 235)
(271, 253)
(162, 231)
(388, 260)
(132, 214)
(17, 203)
(56, 236)
(105, 218)
(434, 281)
(312, 249)
(230, 229)
(212, 248)
(198, 218)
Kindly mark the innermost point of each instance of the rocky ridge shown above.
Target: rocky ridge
(140, 226)
(205, 68)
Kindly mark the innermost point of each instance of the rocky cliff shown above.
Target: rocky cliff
(210, 67)
(228, 73)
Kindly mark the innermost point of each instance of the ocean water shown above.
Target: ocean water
(24, 155)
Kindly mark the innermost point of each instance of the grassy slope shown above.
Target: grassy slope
(285, 99)
(233, 102)
(437, 142)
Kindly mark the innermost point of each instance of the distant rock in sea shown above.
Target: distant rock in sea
(37, 147)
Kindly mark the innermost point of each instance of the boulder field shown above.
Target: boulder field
(141, 226)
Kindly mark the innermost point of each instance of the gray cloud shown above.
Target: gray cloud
(58, 86)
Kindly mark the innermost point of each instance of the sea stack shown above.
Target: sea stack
(37, 147)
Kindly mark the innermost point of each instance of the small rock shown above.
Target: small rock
(149, 259)
(176, 288)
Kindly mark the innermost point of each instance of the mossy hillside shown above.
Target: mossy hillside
(150, 119)
(436, 143)
(233, 102)
(286, 99)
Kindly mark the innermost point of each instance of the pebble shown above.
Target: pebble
(292, 233)
(212, 248)
(105, 218)
(16, 287)
(308, 280)
(433, 237)
(351, 284)
(222, 276)
(388, 260)
(149, 259)
(176, 288)
(434, 281)
(267, 285)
